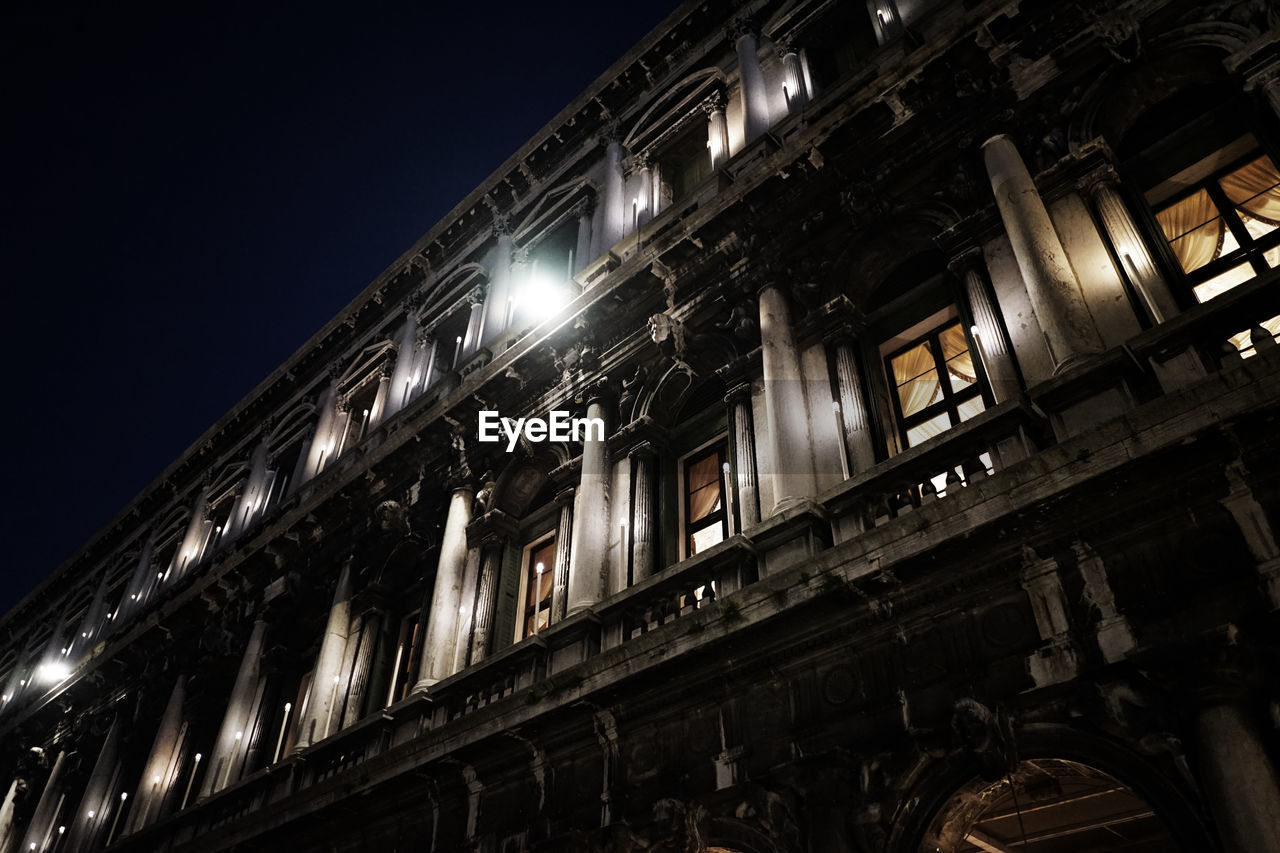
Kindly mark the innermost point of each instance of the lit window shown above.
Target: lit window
(706, 521)
(1225, 229)
(408, 649)
(935, 383)
(539, 580)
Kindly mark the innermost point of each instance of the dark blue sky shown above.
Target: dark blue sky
(191, 190)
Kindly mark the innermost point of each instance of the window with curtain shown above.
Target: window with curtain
(1225, 230)
(408, 650)
(936, 385)
(706, 519)
(538, 581)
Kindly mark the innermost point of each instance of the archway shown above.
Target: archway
(1048, 805)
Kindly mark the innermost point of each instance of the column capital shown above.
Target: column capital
(493, 528)
(564, 497)
(642, 430)
(714, 103)
(741, 27)
(739, 393)
(966, 259)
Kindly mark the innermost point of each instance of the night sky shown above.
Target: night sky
(192, 190)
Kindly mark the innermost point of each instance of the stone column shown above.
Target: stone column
(299, 473)
(428, 349)
(366, 639)
(8, 824)
(1239, 780)
(139, 583)
(564, 539)
(378, 409)
(325, 446)
(786, 411)
(1051, 283)
(407, 357)
(41, 826)
(988, 331)
(317, 719)
(755, 101)
(475, 325)
(615, 202)
(189, 551)
(645, 210)
(717, 131)
(742, 435)
(854, 417)
(498, 306)
(644, 510)
(158, 772)
(582, 249)
(1103, 188)
(591, 513)
(486, 599)
(793, 73)
(226, 758)
(440, 642)
(251, 496)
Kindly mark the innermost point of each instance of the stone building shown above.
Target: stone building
(934, 506)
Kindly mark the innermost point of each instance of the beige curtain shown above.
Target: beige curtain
(1255, 189)
(1203, 244)
(704, 479)
(916, 378)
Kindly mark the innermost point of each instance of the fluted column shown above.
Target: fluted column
(407, 361)
(591, 514)
(486, 599)
(1139, 266)
(325, 444)
(582, 248)
(361, 649)
(40, 829)
(139, 583)
(854, 412)
(717, 132)
(644, 198)
(987, 328)
(742, 434)
(564, 540)
(786, 424)
(1239, 779)
(498, 306)
(378, 409)
(475, 325)
(614, 215)
(252, 494)
(793, 73)
(317, 721)
(429, 361)
(755, 101)
(1050, 281)
(226, 759)
(644, 510)
(440, 641)
(159, 771)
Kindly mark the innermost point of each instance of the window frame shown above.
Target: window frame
(951, 400)
(720, 445)
(526, 568)
(1248, 250)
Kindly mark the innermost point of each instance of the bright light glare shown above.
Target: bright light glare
(541, 298)
(52, 673)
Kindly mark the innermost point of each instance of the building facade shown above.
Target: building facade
(929, 501)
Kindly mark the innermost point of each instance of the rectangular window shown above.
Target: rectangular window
(1225, 230)
(683, 164)
(935, 383)
(706, 517)
(539, 582)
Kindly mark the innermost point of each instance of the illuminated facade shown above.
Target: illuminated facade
(935, 507)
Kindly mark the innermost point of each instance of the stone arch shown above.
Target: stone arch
(677, 100)
(525, 478)
(875, 257)
(1178, 60)
(946, 790)
(463, 274)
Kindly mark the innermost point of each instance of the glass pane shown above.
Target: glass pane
(1223, 282)
(1207, 243)
(969, 408)
(953, 342)
(704, 472)
(928, 429)
(916, 361)
(703, 502)
(1187, 215)
(1243, 341)
(705, 538)
(916, 376)
(1272, 257)
(1255, 190)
